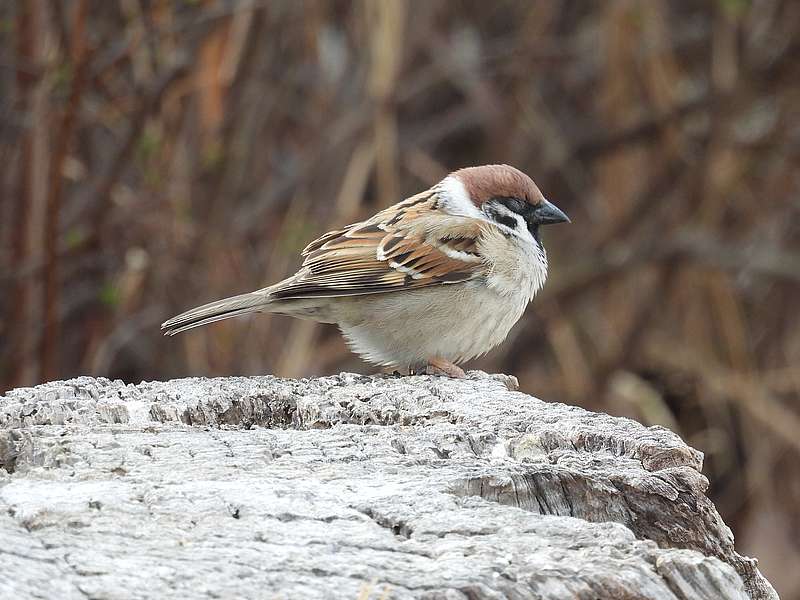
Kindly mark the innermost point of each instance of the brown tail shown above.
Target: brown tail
(217, 311)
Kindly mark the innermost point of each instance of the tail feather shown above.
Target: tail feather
(216, 311)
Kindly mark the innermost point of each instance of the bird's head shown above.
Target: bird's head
(503, 195)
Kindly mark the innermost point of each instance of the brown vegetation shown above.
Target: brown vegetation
(159, 154)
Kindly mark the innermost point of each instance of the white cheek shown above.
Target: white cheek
(522, 232)
(456, 200)
(522, 229)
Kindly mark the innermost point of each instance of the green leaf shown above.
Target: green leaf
(109, 295)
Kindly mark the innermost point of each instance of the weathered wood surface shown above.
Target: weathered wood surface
(349, 487)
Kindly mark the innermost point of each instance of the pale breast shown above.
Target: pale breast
(455, 322)
(518, 266)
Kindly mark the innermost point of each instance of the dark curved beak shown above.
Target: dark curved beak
(547, 213)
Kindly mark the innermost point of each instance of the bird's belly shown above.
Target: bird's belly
(456, 322)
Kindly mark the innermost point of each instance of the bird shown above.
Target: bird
(424, 285)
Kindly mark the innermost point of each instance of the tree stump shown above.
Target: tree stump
(349, 486)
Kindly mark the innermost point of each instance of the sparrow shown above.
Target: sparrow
(424, 285)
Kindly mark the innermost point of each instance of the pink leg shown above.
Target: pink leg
(441, 367)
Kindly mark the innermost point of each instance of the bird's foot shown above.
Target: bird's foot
(439, 367)
(511, 382)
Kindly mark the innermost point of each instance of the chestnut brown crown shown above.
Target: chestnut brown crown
(504, 194)
(498, 181)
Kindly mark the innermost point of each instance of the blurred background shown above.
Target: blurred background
(157, 155)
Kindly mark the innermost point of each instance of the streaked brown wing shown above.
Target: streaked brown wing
(405, 246)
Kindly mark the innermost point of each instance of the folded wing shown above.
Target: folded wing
(407, 246)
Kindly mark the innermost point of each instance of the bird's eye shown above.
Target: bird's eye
(516, 205)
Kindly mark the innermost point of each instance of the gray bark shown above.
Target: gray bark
(349, 487)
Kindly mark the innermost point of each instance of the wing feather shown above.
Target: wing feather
(410, 245)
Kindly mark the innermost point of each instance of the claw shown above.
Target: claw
(439, 367)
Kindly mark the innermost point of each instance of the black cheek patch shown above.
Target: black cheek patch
(509, 222)
(499, 217)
